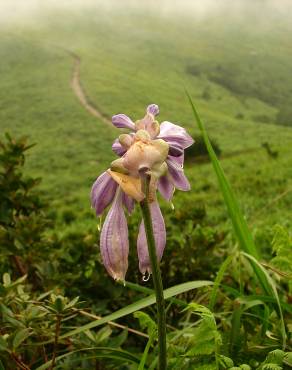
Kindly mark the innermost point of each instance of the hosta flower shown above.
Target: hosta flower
(152, 149)
(175, 136)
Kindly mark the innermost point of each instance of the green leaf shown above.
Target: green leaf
(102, 352)
(235, 337)
(206, 338)
(3, 344)
(6, 279)
(217, 281)
(145, 353)
(142, 303)
(72, 303)
(274, 293)
(103, 334)
(59, 304)
(288, 359)
(18, 281)
(146, 322)
(239, 223)
(118, 340)
(143, 289)
(19, 337)
(225, 362)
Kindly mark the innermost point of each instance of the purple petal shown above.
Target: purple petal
(153, 109)
(178, 160)
(165, 187)
(128, 202)
(175, 134)
(174, 149)
(159, 236)
(177, 175)
(114, 243)
(102, 192)
(123, 121)
(118, 149)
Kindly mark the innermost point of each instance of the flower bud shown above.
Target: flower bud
(153, 109)
(143, 155)
(145, 122)
(114, 243)
(143, 136)
(153, 129)
(126, 140)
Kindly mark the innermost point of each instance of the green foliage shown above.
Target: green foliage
(198, 343)
(276, 360)
(284, 115)
(22, 220)
(146, 322)
(207, 339)
(241, 83)
(198, 151)
(30, 321)
(239, 223)
(282, 247)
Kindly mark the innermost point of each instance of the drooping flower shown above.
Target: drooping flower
(150, 148)
(175, 136)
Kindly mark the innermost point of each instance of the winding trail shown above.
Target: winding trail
(92, 109)
(80, 92)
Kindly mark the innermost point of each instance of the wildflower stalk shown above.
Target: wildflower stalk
(57, 334)
(157, 281)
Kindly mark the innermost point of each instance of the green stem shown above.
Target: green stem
(157, 281)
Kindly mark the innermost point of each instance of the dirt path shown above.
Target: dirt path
(81, 94)
(83, 98)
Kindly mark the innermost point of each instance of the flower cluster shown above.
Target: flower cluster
(152, 149)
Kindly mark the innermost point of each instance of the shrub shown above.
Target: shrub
(199, 150)
(22, 218)
(284, 116)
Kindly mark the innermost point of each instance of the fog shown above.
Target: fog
(26, 11)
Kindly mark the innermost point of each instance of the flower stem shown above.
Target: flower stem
(57, 333)
(157, 281)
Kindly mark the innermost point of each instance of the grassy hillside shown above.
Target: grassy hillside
(238, 73)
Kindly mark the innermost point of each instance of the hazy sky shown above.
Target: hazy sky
(23, 11)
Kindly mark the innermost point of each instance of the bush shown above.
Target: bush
(198, 151)
(284, 116)
(22, 218)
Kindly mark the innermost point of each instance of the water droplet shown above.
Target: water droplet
(172, 206)
(146, 276)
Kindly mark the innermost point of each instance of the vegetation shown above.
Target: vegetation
(226, 269)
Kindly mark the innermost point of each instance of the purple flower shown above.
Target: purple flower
(178, 140)
(151, 148)
(114, 244)
(159, 236)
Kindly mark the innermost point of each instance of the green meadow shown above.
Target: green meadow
(237, 72)
(235, 64)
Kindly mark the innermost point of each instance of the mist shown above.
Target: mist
(31, 11)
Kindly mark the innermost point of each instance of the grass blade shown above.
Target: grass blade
(217, 281)
(275, 294)
(102, 352)
(148, 291)
(136, 306)
(145, 354)
(240, 226)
